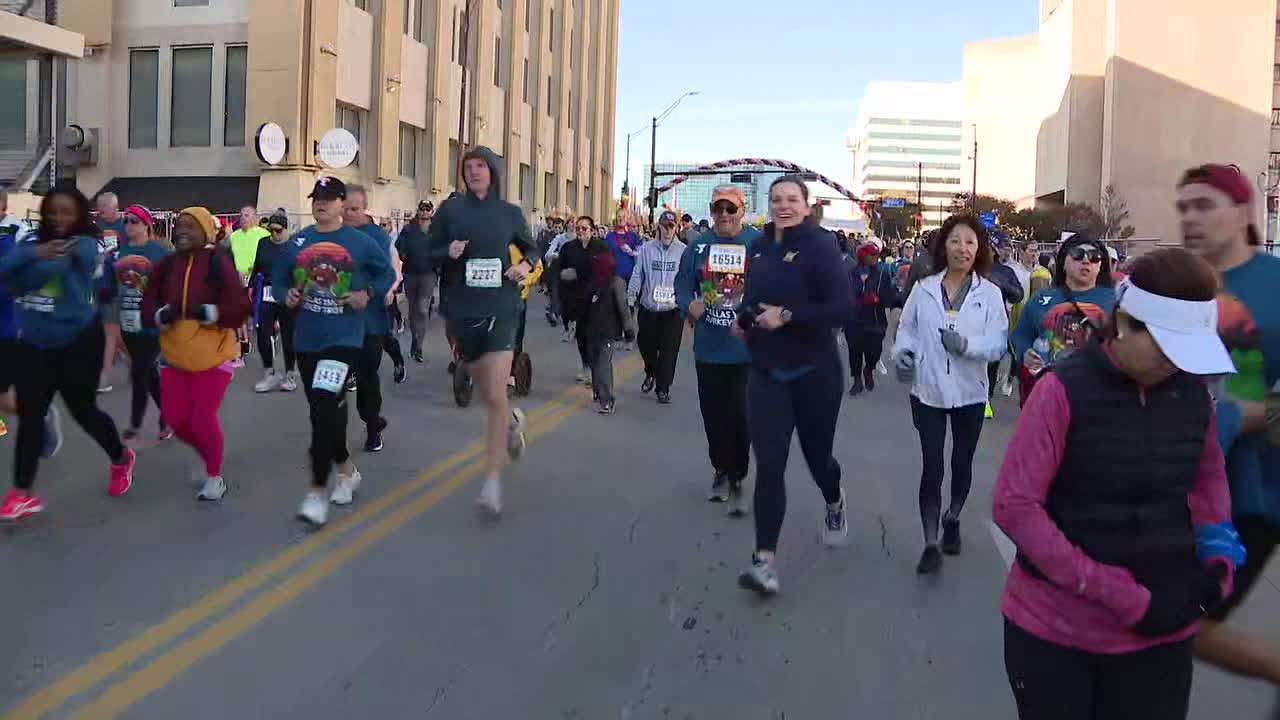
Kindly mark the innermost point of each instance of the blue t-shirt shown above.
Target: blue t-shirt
(127, 275)
(55, 295)
(699, 278)
(377, 321)
(8, 309)
(1050, 315)
(326, 266)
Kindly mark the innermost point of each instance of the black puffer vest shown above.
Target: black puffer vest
(1131, 459)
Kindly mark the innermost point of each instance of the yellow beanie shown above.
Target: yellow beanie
(205, 219)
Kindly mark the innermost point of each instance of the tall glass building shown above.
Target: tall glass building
(693, 196)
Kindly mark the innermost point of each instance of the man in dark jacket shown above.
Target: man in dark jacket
(874, 294)
(421, 272)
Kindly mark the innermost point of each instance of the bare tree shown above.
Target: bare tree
(1115, 213)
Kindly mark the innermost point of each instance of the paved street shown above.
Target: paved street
(607, 590)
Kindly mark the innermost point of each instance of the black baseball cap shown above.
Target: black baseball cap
(426, 206)
(329, 188)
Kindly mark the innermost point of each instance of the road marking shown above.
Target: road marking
(1008, 551)
(110, 662)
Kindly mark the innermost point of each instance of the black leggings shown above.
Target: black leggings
(143, 349)
(582, 334)
(72, 372)
(269, 314)
(865, 348)
(368, 382)
(809, 406)
(659, 342)
(328, 412)
(1052, 682)
(391, 346)
(931, 424)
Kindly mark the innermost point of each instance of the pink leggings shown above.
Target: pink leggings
(190, 402)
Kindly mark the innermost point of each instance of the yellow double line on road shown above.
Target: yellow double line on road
(457, 470)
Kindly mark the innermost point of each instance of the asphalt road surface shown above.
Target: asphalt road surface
(606, 591)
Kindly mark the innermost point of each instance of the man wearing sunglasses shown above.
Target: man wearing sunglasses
(708, 289)
(420, 274)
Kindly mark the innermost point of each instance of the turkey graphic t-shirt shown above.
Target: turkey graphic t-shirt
(724, 272)
(131, 271)
(323, 272)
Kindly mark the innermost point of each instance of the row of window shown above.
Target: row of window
(190, 96)
(908, 164)
(954, 152)
(926, 195)
(912, 136)
(915, 178)
(956, 124)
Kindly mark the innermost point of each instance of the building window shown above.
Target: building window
(529, 3)
(455, 160)
(407, 8)
(13, 115)
(233, 114)
(571, 196)
(419, 21)
(190, 3)
(408, 151)
(144, 91)
(525, 86)
(351, 119)
(526, 184)
(1275, 73)
(497, 62)
(570, 108)
(462, 38)
(551, 31)
(499, 4)
(548, 96)
(549, 190)
(192, 97)
(913, 136)
(362, 4)
(1275, 117)
(590, 207)
(453, 38)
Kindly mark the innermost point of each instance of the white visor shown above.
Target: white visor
(1185, 330)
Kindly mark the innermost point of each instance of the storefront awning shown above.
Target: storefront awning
(221, 195)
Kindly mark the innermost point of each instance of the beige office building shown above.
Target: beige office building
(172, 94)
(1125, 92)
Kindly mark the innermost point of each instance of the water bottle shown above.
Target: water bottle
(1042, 348)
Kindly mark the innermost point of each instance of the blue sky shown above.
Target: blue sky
(782, 78)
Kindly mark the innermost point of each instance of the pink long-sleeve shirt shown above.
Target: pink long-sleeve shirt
(1104, 602)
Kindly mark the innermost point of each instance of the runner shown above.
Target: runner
(1065, 317)
(421, 273)
(708, 290)
(546, 238)
(12, 231)
(368, 382)
(1215, 203)
(653, 286)
(271, 314)
(874, 293)
(796, 295)
(196, 301)
(625, 246)
(953, 324)
(474, 234)
(61, 347)
(330, 273)
(244, 241)
(1114, 492)
(126, 282)
(574, 260)
(608, 319)
(111, 229)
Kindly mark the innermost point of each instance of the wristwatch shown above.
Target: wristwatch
(786, 316)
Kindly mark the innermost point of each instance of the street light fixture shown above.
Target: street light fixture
(653, 151)
(626, 180)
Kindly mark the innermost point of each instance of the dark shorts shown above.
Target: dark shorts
(477, 337)
(10, 361)
(1260, 539)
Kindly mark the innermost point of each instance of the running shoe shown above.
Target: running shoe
(4, 429)
(417, 356)
(399, 374)
(166, 433)
(990, 413)
(269, 383)
(1007, 390)
(950, 536)
(516, 441)
(855, 387)
(344, 492)
(606, 408)
(719, 488)
(880, 367)
(930, 561)
(583, 377)
(646, 387)
(490, 498)
(238, 363)
(122, 474)
(739, 503)
(290, 381)
(664, 397)
(105, 388)
(373, 436)
(52, 432)
(19, 504)
(835, 530)
(761, 576)
(351, 384)
(869, 379)
(315, 509)
(214, 488)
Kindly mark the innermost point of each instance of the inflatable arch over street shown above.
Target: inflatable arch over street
(781, 164)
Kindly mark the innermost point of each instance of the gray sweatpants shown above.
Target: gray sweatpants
(418, 289)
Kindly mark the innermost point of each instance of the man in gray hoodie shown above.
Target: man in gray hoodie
(653, 285)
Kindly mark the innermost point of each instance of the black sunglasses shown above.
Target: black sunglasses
(1079, 254)
(584, 228)
(725, 207)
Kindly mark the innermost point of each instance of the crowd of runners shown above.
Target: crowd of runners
(1141, 486)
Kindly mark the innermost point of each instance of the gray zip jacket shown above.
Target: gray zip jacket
(653, 282)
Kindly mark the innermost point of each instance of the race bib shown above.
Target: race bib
(952, 317)
(330, 376)
(266, 294)
(728, 259)
(131, 321)
(484, 273)
(664, 295)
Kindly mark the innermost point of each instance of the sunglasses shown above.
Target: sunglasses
(1079, 254)
(727, 208)
(584, 228)
(275, 228)
(131, 220)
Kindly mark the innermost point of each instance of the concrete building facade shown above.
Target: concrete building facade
(908, 142)
(175, 91)
(1130, 93)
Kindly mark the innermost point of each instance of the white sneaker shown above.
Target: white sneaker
(491, 496)
(1008, 388)
(290, 382)
(880, 368)
(761, 576)
(516, 442)
(315, 509)
(214, 488)
(835, 528)
(269, 383)
(345, 491)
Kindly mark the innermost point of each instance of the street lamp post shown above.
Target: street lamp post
(653, 152)
(626, 181)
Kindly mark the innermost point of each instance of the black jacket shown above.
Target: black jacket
(414, 251)
(575, 295)
(1003, 277)
(874, 294)
(608, 316)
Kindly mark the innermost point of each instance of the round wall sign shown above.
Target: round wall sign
(271, 143)
(337, 148)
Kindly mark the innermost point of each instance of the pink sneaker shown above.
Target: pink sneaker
(122, 474)
(19, 504)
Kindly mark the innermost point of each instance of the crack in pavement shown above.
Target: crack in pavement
(626, 712)
(631, 534)
(443, 690)
(550, 635)
(884, 532)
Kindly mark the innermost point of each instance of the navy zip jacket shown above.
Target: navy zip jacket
(804, 274)
(874, 280)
